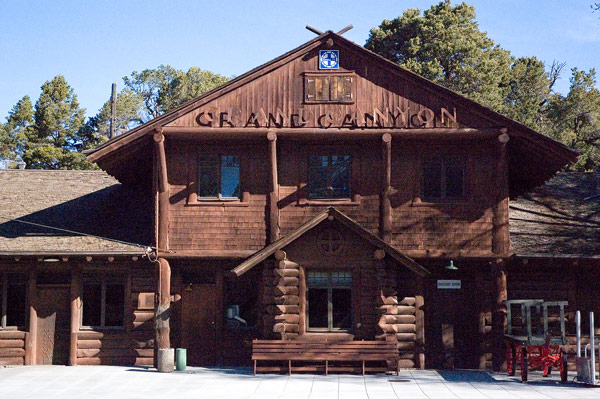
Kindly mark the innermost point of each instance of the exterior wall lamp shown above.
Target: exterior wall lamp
(451, 266)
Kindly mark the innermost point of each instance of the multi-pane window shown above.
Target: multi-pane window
(13, 302)
(328, 88)
(103, 304)
(443, 178)
(329, 176)
(329, 300)
(218, 177)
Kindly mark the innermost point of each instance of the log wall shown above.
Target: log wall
(134, 344)
(12, 348)
(573, 280)
(382, 309)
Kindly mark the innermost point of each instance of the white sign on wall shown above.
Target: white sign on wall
(449, 284)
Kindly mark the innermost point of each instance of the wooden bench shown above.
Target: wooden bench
(311, 351)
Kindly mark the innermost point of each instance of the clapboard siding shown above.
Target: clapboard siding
(374, 89)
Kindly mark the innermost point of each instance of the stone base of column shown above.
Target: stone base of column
(165, 362)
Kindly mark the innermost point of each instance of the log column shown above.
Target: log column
(499, 292)
(500, 232)
(75, 313)
(163, 192)
(500, 246)
(385, 213)
(162, 344)
(31, 344)
(163, 313)
(274, 194)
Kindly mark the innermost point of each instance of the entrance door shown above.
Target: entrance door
(54, 325)
(199, 313)
(452, 324)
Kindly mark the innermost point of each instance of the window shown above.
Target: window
(103, 304)
(329, 300)
(443, 178)
(13, 303)
(323, 88)
(218, 177)
(329, 176)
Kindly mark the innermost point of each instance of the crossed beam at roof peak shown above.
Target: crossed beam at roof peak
(318, 32)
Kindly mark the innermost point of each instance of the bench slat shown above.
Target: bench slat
(340, 351)
(323, 358)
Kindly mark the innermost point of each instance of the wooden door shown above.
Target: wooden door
(451, 327)
(199, 324)
(54, 325)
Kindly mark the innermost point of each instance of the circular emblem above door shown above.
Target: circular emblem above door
(330, 241)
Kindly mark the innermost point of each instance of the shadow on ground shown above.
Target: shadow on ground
(466, 376)
(535, 378)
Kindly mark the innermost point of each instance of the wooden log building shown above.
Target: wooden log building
(319, 197)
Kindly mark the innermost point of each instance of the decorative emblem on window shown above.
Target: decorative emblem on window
(330, 241)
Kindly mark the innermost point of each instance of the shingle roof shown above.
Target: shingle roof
(91, 202)
(560, 218)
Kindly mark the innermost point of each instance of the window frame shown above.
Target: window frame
(329, 74)
(117, 280)
(5, 281)
(219, 167)
(329, 155)
(445, 161)
(329, 288)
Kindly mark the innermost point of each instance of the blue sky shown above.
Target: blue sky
(95, 43)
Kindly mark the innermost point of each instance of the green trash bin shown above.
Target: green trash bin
(180, 359)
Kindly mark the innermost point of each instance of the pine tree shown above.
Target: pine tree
(14, 133)
(54, 141)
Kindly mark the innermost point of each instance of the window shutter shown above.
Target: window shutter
(309, 89)
(348, 88)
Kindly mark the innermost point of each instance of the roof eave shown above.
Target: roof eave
(99, 152)
(264, 253)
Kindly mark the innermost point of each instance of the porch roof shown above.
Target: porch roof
(71, 212)
(330, 212)
(558, 219)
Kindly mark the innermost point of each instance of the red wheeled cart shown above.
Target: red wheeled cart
(535, 349)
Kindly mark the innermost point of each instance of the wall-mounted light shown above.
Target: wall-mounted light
(51, 260)
(451, 266)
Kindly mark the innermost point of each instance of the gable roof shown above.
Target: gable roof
(131, 135)
(90, 202)
(561, 218)
(330, 212)
(533, 157)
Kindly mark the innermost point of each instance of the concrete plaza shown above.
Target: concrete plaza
(202, 383)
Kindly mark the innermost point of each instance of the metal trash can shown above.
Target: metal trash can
(180, 359)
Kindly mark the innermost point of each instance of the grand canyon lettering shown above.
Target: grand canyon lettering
(386, 118)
